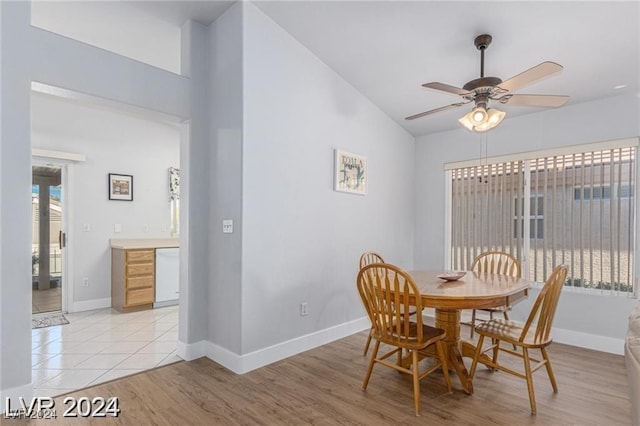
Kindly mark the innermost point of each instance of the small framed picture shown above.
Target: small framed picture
(120, 187)
(350, 173)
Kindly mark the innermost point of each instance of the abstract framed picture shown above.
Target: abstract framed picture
(350, 173)
(120, 187)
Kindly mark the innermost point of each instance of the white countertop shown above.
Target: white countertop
(142, 243)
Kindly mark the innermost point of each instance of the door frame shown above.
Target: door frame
(52, 159)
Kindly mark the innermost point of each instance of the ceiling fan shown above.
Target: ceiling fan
(481, 90)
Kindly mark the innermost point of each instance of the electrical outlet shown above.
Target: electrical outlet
(85, 281)
(86, 227)
(117, 227)
(303, 309)
(227, 226)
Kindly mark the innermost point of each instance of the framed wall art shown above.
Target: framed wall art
(120, 187)
(350, 173)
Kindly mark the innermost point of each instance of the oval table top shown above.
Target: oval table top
(474, 290)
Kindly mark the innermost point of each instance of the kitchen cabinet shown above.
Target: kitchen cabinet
(134, 273)
(132, 278)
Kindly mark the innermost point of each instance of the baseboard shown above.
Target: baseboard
(241, 364)
(191, 351)
(583, 340)
(90, 305)
(24, 391)
(589, 341)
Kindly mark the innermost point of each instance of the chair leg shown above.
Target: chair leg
(416, 382)
(506, 317)
(496, 350)
(527, 370)
(366, 346)
(552, 379)
(443, 364)
(473, 321)
(474, 364)
(371, 362)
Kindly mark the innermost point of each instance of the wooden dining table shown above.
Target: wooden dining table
(473, 291)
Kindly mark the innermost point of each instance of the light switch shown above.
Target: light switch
(86, 227)
(117, 227)
(227, 226)
(145, 228)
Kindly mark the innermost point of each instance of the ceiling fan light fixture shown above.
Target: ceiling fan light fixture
(490, 118)
(479, 115)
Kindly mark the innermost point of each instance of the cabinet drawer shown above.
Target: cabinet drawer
(139, 296)
(140, 269)
(139, 282)
(140, 256)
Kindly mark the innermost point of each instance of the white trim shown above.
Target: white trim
(191, 351)
(577, 339)
(90, 305)
(549, 152)
(526, 219)
(241, 364)
(80, 97)
(67, 228)
(66, 180)
(57, 155)
(24, 391)
(225, 357)
(588, 341)
(448, 188)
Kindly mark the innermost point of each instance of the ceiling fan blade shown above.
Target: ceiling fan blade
(531, 75)
(433, 111)
(446, 88)
(547, 101)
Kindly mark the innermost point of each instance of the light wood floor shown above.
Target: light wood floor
(323, 386)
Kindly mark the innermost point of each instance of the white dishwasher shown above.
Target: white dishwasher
(167, 277)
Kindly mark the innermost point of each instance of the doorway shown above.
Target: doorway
(48, 238)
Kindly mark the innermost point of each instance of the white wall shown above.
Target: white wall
(612, 118)
(226, 164)
(301, 241)
(115, 26)
(113, 142)
(29, 54)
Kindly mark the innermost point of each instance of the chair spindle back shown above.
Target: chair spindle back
(496, 262)
(370, 257)
(387, 292)
(544, 308)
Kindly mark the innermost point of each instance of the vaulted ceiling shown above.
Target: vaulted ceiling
(388, 49)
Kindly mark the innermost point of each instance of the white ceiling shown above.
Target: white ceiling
(387, 49)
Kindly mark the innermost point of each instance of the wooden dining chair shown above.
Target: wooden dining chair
(368, 258)
(383, 289)
(535, 333)
(494, 262)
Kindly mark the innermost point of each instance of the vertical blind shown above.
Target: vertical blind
(579, 210)
(485, 213)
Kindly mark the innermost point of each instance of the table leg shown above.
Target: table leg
(449, 321)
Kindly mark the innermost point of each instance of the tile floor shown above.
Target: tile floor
(101, 345)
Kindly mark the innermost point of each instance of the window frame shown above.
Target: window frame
(532, 155)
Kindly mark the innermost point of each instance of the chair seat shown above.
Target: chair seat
(510, 331)
(429, 335)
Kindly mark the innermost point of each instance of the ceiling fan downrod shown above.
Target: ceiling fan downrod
(482, 84)
(482, 42)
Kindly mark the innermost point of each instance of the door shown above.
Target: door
(48, 238)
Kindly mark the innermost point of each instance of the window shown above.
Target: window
(577, 209)
(485, 213)
(536, 217)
